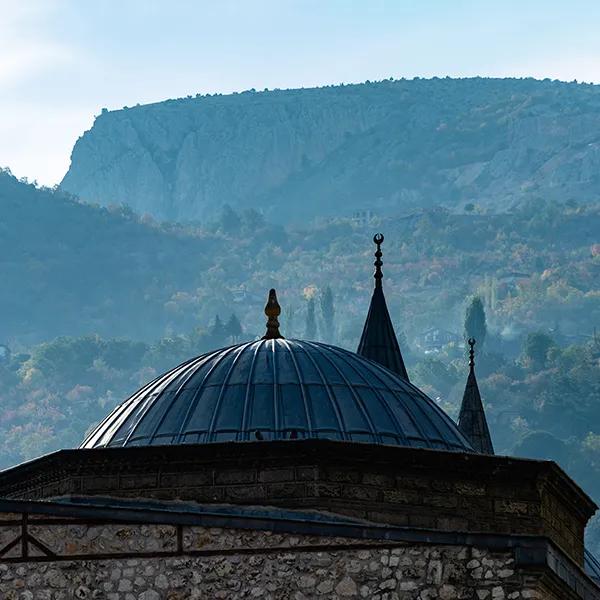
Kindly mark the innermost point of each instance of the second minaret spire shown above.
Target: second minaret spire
(471, 420)
(378, 341)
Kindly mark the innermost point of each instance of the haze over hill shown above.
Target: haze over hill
(392, 146)
(72, 268)
(69, 268)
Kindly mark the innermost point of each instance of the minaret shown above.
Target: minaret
(471, 420)
(378, 341)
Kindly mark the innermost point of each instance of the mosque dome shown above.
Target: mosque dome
(279, 389)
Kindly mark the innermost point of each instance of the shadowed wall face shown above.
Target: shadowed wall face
(443, 491)
(155, 561)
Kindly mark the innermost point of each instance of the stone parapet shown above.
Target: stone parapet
(398, 486)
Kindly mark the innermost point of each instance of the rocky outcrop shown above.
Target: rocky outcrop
(392, 145)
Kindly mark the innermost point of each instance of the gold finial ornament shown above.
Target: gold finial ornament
(272, 310)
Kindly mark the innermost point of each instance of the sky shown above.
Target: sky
(62, 61)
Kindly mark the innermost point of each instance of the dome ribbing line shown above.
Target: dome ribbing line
(278, 389)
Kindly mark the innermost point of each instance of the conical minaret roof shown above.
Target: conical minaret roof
(471, 420)
(378, 341)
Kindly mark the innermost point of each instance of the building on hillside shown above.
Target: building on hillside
(508, 283)
(363, 216)
(433, 339)
(284, 468)
(241, 295)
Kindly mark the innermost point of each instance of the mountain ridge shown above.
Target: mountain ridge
(303, 153)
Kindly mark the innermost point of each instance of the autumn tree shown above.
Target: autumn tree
(535, 349)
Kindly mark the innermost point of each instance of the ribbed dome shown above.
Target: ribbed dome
(279, 389)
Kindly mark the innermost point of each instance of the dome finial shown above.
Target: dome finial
(378, 240)
(272, 310)
(471, 342)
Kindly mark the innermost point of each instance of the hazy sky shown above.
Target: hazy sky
(61, 61)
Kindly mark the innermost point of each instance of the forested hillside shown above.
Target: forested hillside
(392, 146)
(74, 269)
(69, 268)
(159, 293)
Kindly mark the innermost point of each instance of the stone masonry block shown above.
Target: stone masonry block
(225, 477)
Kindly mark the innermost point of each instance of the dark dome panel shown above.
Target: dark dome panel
(279, 389)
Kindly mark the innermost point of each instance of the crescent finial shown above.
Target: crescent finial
(471, 342)
(378, 240)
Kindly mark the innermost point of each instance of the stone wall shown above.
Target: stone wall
(398, 486)
(298, 572)
(48, 554)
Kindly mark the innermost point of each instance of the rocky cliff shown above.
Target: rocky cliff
(392, 146)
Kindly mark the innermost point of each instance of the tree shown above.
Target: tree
(229, 220)
(217, 331)
(252, 220)
(167, 353)
(535, 349)
(403, 343)
(328, 314)
(542, 445)
(288, 323)
(233, 328)
(475, 325)
(311, 321)
(200, 340)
